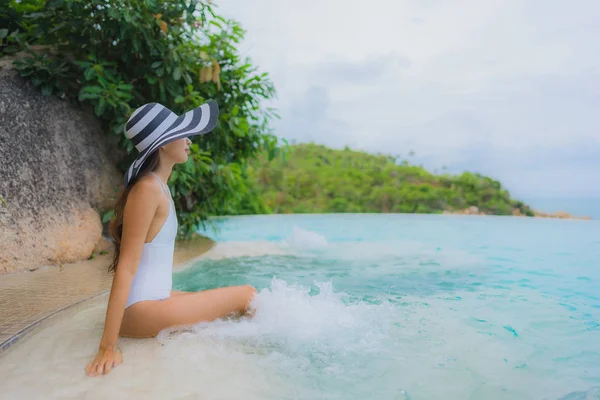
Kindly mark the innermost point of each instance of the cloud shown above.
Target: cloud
(371, 71)
(509, 88)
(308, 119)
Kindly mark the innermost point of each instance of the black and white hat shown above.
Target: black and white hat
(153, 125)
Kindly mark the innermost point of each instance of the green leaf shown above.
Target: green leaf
(11, 49)
(107, 216)
(125, 86)
(177, 74)
(238, 132)
(123, 95)
(3, 33)
(235, 110)
(118, 128)
(87, 96)
(179, 99)
(156, 64)
(89, 74)
(100, 107)
(93, 89)
(46, 89)
(244, 125)
(163, 94)
(215, 23)
(103, 82)
(54, 3)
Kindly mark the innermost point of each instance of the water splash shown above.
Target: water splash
(306, 240)
(294, 316)
(307, 336)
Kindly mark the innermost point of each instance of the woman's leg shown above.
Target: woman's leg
(147, 318)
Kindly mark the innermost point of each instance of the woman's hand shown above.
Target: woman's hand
(106, 359)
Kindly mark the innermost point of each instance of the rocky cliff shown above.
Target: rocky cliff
(57, 172)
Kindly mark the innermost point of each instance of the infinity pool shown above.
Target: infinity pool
(361, 307)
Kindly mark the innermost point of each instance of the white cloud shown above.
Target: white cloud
(495, 86)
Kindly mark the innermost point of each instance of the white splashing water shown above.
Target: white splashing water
(305, 340)
(287, 315)
(303, 239)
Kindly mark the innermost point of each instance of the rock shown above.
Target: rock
(77, 240)
(104, 244)
(58, 172)
(559, 214)
(472, 210)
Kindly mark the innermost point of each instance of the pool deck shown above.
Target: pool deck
(29, 298)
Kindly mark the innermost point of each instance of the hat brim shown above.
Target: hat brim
(198, 121)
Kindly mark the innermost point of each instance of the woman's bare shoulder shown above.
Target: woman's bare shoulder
(145, 194)
(142, 203)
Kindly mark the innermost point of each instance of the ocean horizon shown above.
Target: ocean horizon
(578, 206)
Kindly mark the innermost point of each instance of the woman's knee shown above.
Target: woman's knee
(250, 290)
(249, 293)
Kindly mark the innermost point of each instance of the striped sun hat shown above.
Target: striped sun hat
(153, 125)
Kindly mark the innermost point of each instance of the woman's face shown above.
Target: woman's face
(177, 151)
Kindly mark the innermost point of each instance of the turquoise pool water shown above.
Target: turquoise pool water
(409, 306)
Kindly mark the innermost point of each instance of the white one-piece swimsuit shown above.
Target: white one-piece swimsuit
(154, 277)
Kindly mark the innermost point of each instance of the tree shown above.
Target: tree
(112, 56)
(352, 181)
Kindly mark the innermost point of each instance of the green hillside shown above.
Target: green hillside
(316, 179)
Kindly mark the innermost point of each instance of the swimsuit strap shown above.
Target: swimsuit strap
(164, 186)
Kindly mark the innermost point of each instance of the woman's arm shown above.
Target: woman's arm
(140, 208)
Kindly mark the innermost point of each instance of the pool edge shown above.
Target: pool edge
(29, 329)
(26, 331)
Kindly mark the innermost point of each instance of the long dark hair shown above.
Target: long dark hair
(116, 224)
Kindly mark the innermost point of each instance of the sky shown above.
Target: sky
(507, 88)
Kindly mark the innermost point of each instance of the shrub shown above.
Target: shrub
(112, 56)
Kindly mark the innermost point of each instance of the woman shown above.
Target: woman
(144, 228)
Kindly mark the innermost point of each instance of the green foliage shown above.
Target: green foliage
(14, 27)
(315, 179)
(111, 56)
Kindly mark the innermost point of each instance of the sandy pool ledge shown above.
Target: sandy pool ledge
(31, 300)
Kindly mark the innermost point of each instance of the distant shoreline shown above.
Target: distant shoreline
(538, 214)
(560, 215)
